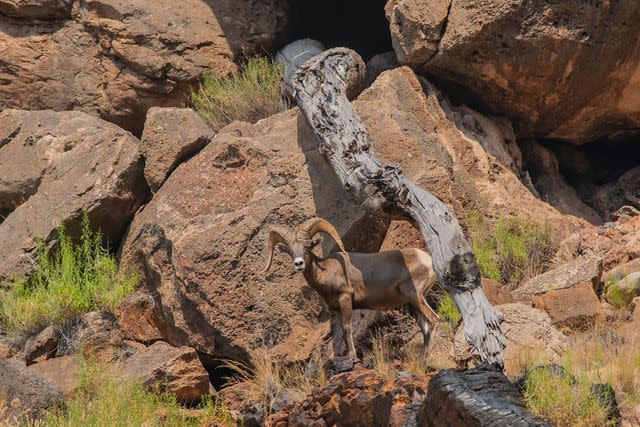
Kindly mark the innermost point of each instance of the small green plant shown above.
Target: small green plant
(513, 250)
(253, 93)
(103, 399)
(563, 400)
(448, 311)
(615, 295)
(78, 278)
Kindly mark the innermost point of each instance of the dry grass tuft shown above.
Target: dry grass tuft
(253, 93)
(268, 380)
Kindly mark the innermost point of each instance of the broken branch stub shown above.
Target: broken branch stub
(320, 91)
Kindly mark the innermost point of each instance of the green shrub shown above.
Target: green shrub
(615, 295)
(103, 399)
(448, 311)
(563, 401)
(78, 278)
(253, 93)
(513, 250)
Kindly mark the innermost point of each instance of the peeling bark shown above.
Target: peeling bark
(320, 91)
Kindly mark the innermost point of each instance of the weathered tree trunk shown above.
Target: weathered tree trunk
(320, 91)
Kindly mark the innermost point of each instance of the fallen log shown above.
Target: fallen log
(481, 396)
(320, 86)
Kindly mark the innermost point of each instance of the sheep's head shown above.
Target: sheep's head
(299, 246)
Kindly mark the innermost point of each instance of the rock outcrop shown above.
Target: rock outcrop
(42, 346)
(200, 241)
(587, 269)
(360, 398)
(576, 307)
(54, 166)
(496, 50)
(170, 136)
(174, 370)
(118, 58)
(529, 332)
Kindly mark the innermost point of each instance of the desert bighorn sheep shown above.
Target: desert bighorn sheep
(377, 281)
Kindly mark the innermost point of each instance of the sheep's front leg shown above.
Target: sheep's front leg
(346, 310)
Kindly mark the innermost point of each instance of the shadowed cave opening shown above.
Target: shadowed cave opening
(357, 24)
(605, 174)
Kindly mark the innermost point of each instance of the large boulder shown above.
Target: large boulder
(54, 166)
(496, 49)
(200, 241)
(529, 332)
(118, 58)
(170, 136)
(171, 369)
(586, 269)
(63, 371)
(25, 391)
(576, 307)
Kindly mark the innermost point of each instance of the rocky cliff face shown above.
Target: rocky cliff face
(566, 70)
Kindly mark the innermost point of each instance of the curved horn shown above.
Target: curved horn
(277, 235)
(314, 226)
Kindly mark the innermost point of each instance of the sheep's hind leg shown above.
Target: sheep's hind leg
(427, 320)
(346, 310)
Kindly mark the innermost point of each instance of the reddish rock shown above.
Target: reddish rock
(359, 398)
(26, 392)
(617, 242)
(54, 166)
(62, 371)
(42, 346)
(581, 270)
(139, 318)
(118, 58)
(496, 292)
(576, 307)
(176, 370)
(622, 270)
(170, 136)
(97, 333)
(492, 49)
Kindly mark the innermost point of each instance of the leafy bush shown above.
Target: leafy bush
(103, 399)
(78, 278)
(513, 250)
(253, 93)
(448, 311)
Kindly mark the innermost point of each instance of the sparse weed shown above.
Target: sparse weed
(382, 355)
(253, 93)
(78, 278)
(268, 380)
(563, 400)
(103, 399)
(513, 250)
(448, 311)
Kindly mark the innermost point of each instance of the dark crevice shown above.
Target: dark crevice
(360, 25)
(443, 30)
